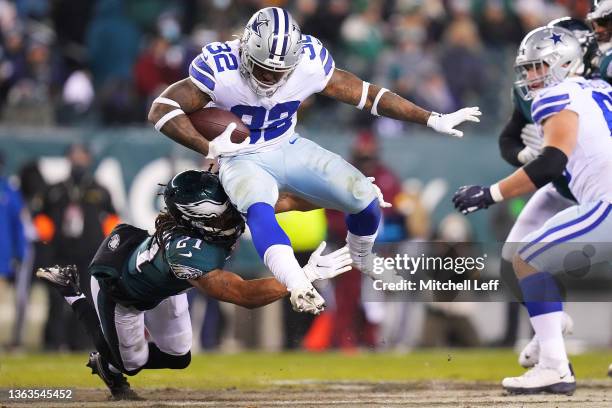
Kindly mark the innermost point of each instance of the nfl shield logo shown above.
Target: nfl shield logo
(113, 242)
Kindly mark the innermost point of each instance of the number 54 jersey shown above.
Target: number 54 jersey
(216, 72)
(589, 167)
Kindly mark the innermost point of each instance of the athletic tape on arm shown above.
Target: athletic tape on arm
(379, 95)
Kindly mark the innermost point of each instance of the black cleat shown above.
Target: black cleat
(63, 278)
(116, 382)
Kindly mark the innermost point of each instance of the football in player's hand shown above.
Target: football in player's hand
(211, 122)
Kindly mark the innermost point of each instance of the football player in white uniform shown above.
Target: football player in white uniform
(263, 77)
(520, 142)
(601, 18)
(575, 117)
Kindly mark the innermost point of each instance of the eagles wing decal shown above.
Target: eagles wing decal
(204, 208)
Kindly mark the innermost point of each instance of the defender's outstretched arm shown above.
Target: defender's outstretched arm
(347, 87)
(229, 287)
(168, 114)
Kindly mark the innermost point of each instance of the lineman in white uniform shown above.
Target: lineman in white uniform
(574, 114)
(263, 78)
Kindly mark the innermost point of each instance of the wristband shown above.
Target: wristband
(496, 194)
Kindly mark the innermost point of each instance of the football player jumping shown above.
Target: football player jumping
(139, 281)
(574, 116)
(263, 77)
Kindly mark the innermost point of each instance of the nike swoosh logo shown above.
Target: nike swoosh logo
(478, 195)
(292, 141)
(187, 255)
(320, 266)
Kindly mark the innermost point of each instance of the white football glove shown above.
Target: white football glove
(222, 144)
(531, 137)
(307, 300)
(446, 123)
(527, 154)
(327, 266)
(381, 200)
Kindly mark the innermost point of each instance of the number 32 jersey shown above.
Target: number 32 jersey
(216, 72)
(589, 167)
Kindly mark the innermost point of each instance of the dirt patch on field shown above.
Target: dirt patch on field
(339, 394)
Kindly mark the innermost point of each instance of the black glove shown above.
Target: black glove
(472, 198)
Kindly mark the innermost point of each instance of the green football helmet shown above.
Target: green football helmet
(197, 201)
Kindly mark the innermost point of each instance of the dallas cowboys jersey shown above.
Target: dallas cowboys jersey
(271, 120)
(152, 275)
(589, 167)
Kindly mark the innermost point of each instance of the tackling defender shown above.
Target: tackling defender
(574, 116)
(520, 143)
(263, 77)
(138, 281)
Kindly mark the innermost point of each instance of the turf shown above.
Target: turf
(261, 370)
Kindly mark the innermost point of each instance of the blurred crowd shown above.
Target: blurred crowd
(101, 62)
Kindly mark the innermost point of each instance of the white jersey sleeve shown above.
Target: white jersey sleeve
(202, 74)
(317, 64)
(550, 101)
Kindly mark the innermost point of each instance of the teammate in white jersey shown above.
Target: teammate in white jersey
(574, 114)
(263, 77)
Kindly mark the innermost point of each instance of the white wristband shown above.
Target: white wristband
(364, 95)
(379, 95)
(164, 119)
(167, 101)
(496, 194)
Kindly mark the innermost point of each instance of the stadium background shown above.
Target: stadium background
(86, 72)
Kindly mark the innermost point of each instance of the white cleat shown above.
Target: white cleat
(542, 380)
(530, 355)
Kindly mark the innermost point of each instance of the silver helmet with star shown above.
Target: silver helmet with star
(272, 42)
(546, 56)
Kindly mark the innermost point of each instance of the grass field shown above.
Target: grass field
(265, 379)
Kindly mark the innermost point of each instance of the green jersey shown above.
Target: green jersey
(151, 275)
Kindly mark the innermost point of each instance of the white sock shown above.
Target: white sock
(550, 337)
(280, 259)
(360, 247)
(72, 299)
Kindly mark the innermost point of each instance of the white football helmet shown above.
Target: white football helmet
(553, 53)
(272, 41)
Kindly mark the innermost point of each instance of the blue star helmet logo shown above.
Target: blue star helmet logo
(556, 38)
(259, 21)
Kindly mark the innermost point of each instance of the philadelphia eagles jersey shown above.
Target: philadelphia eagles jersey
(151, 275)
(216, 72)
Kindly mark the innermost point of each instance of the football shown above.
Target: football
(211, 122)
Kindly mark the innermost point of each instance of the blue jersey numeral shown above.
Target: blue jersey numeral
(605, 104)
(221, 53)
(307, 45)
(255, 118)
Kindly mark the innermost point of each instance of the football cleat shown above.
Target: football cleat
(116, 382)
(530, 355)
(610, 370)
(63, 278)
(542, 380)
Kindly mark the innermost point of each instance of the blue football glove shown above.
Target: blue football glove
(472, 198)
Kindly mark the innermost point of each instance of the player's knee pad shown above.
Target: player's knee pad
(134, 359)
(264, 228)
(366, 221)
